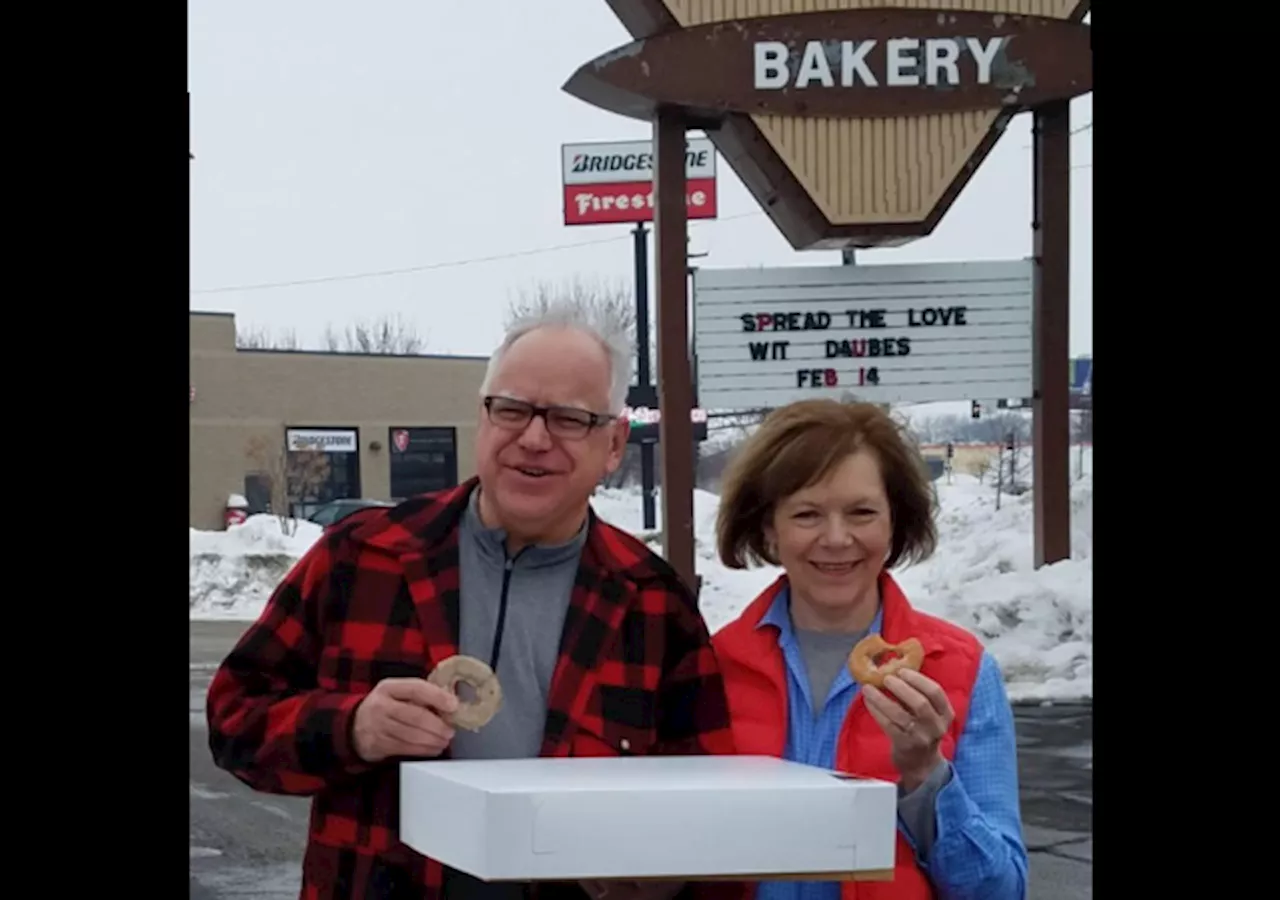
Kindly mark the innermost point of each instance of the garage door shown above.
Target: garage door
(422, 460)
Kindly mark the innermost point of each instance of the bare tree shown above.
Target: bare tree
(390, 335)
(613, 299)
(292, 477)
(1082, 433)
(261, 338)
(980, 466)
(1082, 426)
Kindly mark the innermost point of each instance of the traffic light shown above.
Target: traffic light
(976, 410)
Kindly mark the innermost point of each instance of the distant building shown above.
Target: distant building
(380, 426)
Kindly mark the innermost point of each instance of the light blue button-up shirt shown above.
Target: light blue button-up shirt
(977, 852)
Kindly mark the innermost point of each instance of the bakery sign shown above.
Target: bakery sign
(901, 62)
(853, 62)
(904, 102)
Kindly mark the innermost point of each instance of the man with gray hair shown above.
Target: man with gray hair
(596, 641)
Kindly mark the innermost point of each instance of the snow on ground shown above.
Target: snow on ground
(233, 572)
(1037, 623)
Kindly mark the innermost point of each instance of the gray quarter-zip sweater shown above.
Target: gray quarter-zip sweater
(514, 606)
(534, 586)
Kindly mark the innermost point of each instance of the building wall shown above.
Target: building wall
(243, 394)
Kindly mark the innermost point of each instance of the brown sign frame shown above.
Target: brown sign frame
(749, 151)
(997, 62)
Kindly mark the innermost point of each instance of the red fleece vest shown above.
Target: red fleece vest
(755, 678)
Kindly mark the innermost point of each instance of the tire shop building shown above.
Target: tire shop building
(331, 426)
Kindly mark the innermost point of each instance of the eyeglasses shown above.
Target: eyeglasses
(562, 421)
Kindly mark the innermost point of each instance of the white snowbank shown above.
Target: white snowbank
(233, 572)
(1037, 623)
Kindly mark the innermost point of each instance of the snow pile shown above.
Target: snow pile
(233, 572)
(1037, 623)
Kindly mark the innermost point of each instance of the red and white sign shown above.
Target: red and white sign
(612, 183)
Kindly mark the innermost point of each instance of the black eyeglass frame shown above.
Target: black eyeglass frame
(593, 419)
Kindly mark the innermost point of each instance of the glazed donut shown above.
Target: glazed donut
(864, 665)
(474, 714)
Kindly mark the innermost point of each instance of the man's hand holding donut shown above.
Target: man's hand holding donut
(401, 717)
(915, 713)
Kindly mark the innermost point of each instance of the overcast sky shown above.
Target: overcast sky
(339, 139)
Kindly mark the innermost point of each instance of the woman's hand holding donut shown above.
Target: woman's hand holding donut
(913, 710)
(399, 718)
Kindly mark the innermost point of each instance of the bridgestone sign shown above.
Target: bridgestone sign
(323, 440)
(612, 183)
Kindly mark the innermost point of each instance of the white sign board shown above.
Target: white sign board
(883, 334)
(612, 183)
(326, 440)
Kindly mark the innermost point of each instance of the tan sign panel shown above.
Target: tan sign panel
(852, 122)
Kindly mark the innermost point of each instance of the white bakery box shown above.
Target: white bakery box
(688, 818)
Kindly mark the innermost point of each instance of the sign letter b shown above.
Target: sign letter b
(771, 66)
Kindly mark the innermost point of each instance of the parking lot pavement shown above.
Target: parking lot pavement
(1055, 766)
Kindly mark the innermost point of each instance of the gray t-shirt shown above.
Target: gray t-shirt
(824, 654)
(538, 583)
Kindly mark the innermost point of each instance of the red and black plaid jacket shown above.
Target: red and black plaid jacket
(377, 597)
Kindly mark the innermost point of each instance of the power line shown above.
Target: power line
(476, 260)
(1074, 131)
(426, 267)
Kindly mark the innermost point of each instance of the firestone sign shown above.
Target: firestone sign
(612, 183)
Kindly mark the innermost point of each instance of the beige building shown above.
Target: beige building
(344, 424)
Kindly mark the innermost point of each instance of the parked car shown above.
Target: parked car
(337, 510)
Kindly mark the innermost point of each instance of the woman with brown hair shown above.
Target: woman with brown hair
(837, 495)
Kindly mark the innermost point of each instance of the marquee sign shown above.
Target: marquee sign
(914, 333)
